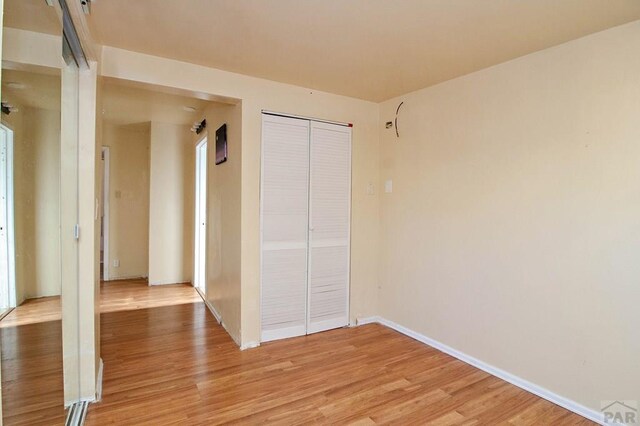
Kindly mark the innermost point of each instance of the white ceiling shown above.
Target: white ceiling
(370, 49)
(123, 104)
(32, 15)
(38, 90)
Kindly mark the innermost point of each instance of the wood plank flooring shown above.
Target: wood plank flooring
(32, 386)
(173, 364)
(176, 365)
(34, 311)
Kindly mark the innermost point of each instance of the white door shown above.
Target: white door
(284, 227)
(7, 271)
(199, 275)
(329, 227)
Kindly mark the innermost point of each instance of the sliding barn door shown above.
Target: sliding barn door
(329, 220)
(284, 216)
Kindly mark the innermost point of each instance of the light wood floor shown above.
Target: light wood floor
(173, 364)
(32, 387)
(33, 311)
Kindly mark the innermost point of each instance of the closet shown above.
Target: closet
(305, 213)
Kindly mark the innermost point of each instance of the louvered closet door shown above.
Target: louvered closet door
(284, 205)
(329, 220)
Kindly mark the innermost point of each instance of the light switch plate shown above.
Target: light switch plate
(388, 186)
(370, 189)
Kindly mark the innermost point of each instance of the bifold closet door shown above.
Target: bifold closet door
(329, 227)
(284, 227)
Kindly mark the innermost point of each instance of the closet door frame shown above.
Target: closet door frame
(285, 333)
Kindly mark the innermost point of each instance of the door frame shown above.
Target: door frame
(9, 207)
(106, 154)
(199, 246)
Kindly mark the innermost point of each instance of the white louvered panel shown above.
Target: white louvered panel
(284, 215)
(329, 220)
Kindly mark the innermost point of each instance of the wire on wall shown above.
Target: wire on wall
(396, 120)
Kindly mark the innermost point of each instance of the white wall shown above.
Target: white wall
(223, 217)
(36, 133)
(171, 212)
(257, 94)
(128, 199)
(512, 233)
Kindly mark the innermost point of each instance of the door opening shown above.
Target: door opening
(7, 254)
(199, 273)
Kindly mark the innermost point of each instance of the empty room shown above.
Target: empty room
(341, 212)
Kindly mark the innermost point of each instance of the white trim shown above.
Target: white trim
(5, 312)
(99, 381)
(330, 324)
(11, 226)
(198, 245)
(9, 277)
(213, 310)
(535, 389)
(218, 318)
(368, 320)
(170, 282)
(105, 219)
(302, 117)
(283, 333)
(128, 277)
(249, 345)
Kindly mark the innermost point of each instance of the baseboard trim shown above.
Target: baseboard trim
(99, 381)
(249, 345)
(218, 318)
(213, 310)
(540, 391)
(125, 278)
(169, 282)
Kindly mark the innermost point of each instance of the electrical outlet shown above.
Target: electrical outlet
(116, 263)
(388, 186)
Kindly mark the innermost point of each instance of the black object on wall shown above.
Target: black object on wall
(201, 127)
(221, 144)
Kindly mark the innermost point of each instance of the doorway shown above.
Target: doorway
(200, 238)
(7, 259)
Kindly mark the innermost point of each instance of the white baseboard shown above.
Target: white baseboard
(99, 381)
(249, 345)
(540, 391)
(126, 278)
(213, 310)
(169, 282)
(218, 318)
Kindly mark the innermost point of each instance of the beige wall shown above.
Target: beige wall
(223, 250)
(257, 94)
(171, 204)
(36, 133)
(128, 198)
(512, 230)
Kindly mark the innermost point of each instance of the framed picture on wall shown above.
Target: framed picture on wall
(221, 144)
